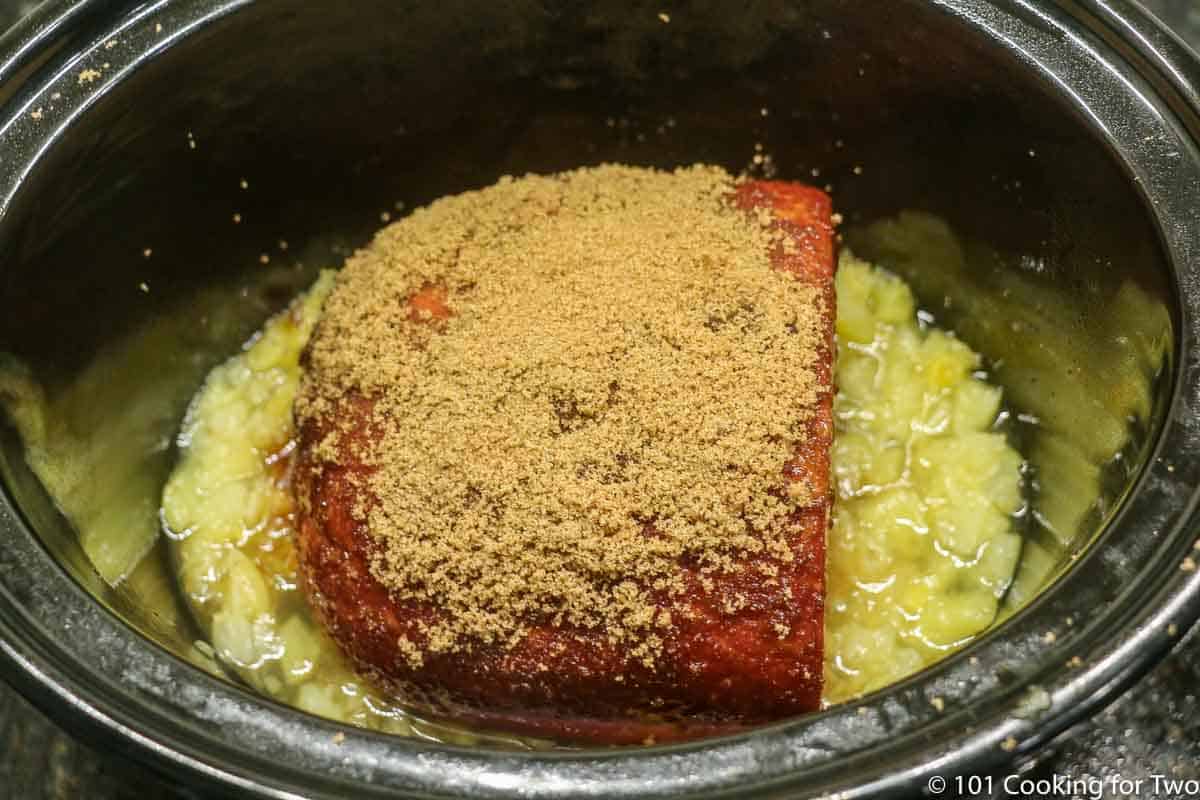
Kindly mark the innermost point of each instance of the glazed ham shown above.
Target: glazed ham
(718, 671)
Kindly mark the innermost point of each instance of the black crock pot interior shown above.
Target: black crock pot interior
(333, 112)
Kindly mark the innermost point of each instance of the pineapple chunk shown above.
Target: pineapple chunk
(922, 546)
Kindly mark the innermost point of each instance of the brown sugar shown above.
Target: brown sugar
(576, 382)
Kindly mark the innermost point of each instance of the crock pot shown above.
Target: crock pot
(1064, 135)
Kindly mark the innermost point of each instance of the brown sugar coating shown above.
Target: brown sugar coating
(564, 453)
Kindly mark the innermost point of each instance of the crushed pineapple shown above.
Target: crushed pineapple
(229, 510)
(922, 546)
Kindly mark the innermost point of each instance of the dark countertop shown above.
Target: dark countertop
(1153, 730)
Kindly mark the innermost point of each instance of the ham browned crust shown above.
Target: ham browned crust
(718, 670)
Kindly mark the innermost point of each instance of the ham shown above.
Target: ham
(718, 672)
